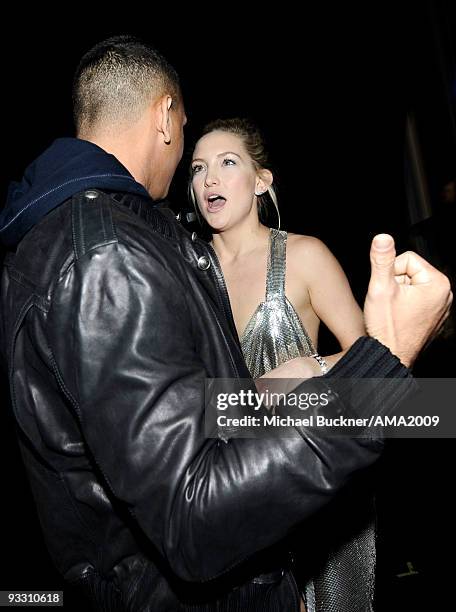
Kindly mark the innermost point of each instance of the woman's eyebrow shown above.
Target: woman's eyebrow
(229, 153)
(218, 155)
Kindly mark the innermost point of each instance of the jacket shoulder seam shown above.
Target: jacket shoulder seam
(92, 222)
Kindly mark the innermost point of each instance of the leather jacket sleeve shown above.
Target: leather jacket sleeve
(125, 358)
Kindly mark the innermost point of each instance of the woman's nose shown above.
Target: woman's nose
(211, 178)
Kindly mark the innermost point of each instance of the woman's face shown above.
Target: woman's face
(224, 180)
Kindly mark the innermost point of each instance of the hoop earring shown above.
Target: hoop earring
(274, 201)
(191, 197)
(272, 197)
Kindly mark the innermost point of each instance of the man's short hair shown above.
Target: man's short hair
(116, 80)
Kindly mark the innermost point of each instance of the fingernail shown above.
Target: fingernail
(383, 242)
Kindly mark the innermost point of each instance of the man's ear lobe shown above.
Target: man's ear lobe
(165, 119)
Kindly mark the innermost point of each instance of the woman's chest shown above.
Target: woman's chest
(247, 289)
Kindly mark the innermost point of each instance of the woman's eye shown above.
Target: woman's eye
(229, 162)
(196, 168)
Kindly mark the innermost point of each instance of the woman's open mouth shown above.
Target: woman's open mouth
(215, 203)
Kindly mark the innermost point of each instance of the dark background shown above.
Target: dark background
(331, 89)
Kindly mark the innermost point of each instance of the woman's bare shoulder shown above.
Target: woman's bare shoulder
(309, 258)
(301, 245)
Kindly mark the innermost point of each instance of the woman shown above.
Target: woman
(231, 184)
(280, 287)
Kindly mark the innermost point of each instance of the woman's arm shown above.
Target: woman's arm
(329, 291)
(315, 276)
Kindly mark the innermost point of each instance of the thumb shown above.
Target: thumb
(382, 256)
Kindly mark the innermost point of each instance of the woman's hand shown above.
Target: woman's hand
(299, 367)
(287, 376)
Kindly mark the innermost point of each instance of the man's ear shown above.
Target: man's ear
(263, 181)
(164, 117)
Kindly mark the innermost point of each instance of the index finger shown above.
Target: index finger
(414, 266)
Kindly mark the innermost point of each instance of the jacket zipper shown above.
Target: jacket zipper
(294, 587)
(223, 291)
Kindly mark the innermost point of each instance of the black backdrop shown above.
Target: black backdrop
(331, 90)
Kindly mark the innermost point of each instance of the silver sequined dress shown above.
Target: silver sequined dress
(275, 334)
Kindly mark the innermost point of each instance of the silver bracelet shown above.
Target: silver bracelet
(323, 365)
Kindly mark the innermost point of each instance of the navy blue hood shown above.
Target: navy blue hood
(67, 167)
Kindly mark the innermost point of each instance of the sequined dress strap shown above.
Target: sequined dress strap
(277, 263)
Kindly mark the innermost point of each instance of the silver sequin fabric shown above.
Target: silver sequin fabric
(274, 333)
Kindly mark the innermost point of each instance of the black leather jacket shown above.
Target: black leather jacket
(112, 319)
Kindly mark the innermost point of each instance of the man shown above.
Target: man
(113, 319)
